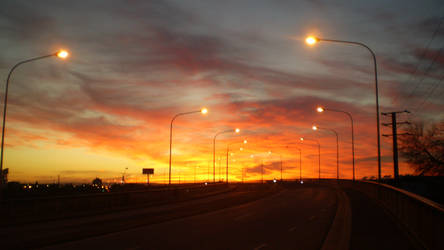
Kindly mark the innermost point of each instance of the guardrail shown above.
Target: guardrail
(34, 209)
(423, 218)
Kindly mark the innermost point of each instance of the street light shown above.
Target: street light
(322, 109)
(61, 54)
(237, 130)
(202, 111)
(280, 158)
(300, 163)
(319, 153)
(228, 149)
(314, 127)
(311, 40)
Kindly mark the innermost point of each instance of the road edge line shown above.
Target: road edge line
(338, 237)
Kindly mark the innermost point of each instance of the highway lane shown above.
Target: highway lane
(295, 218)
(49, 232)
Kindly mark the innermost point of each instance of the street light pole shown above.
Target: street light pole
(300, 163)
(319, 154)
(214, 149)
(203, 111)
(313, 40)
(262, 171)
(280, 157)
(321, 109)
(61, 54)
(337, 148)
(228, 149)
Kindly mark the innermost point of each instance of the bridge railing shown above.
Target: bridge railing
(423, 218)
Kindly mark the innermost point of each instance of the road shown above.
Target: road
(296, 217)
(292, 218)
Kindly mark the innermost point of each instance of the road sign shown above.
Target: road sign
(148, 171)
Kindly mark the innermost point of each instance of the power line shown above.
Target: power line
(425, 74)
(420, 61)
(430, 94)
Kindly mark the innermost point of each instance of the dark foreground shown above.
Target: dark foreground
(291, 216)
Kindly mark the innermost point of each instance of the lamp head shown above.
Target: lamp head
(204, 111)
(245, 141)
(237, 130)
(311, 40)
(314, 127)
(62, 54)
(302, 138)
(320, 109)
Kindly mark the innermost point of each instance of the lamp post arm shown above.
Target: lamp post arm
(171, 138)
(352, 135)
(337, 149)
(376, 92)
(5, 104)
(214, 151)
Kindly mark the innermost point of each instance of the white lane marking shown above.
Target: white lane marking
(261, 246)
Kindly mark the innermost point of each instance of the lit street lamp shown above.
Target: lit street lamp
(319, 153)
(61, 54)
(311, 40)
(214, 148)
(203, 111)
(337, 147)
(228, 149)
(322, 109)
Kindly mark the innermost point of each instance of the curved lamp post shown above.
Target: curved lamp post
(300, 163)
(322, 109)
(319, 153)
(61, 54)
(214, 148)
(311, 40)
(337, 147)
(228, 149)
(203, 111)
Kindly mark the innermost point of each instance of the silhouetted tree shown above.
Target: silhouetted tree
(424, 148)
(97, 182)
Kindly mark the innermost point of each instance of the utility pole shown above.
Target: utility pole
(394, 135)
(262, 172)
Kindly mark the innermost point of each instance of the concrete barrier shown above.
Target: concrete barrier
(423, 218)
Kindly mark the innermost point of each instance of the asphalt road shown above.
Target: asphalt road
(296, 218)
(268, 217)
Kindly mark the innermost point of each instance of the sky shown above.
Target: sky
(133, 65)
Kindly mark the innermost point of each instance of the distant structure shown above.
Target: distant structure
(148, 171)
(97, 182)
(4, 176)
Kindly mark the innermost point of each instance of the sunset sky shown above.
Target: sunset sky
(134, 64)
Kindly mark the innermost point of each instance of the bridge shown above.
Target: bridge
(325, 214)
